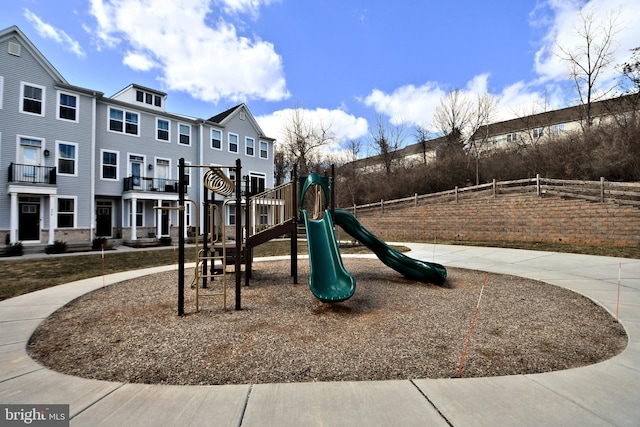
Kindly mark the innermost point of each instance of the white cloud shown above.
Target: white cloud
(50, 32)
(415, 105)
(210, 63)
(251, 7)
(138, 61)
(562, 23)
(407, 104)
(343, 125)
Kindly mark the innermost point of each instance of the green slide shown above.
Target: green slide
(410, 268)
(329, 281)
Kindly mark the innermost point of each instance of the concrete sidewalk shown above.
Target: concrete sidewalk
(607, 393)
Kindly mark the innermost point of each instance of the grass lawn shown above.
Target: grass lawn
(22, 275)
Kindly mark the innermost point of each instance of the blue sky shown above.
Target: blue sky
(346, 63)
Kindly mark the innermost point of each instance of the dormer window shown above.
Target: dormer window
(148, 98)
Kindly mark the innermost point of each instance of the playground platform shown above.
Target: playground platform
(604, 394)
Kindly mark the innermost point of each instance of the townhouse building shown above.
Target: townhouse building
(77, 164)
(523, 131)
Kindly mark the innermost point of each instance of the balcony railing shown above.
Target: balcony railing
(32, 174)
(138, 183)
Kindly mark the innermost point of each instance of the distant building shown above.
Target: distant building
(77, 165)
(522, 131)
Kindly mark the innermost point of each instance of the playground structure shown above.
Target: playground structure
(268, 215)
(272, 214)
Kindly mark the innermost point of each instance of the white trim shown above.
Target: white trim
(77, 107)
(75, 160)
(211, 139)
(1, 91)
(43, 100)
(229, 135)
(117, 165)
(18, 151)
(124, 121)
(246, 146)
(75, 210)
(260, 149)
(168, 130)
(180, 124)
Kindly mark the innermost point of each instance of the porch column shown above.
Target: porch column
(134, 214)
(13, 231)
(159, 220)
(53, 217)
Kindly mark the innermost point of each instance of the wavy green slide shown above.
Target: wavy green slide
(410, 268)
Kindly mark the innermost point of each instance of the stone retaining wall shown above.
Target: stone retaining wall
(508, 218)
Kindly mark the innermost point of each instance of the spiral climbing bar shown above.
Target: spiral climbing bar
(216, 180)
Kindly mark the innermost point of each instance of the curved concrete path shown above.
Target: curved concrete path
(604, 394)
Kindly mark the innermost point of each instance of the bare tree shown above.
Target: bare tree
(386, 141)
(631, 72)
(452, 116)
(302, 139)
(281, 167)
(422, 136)
(591, 57)
(481, 117)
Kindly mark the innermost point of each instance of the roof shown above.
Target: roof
(219, 118)
(619, 104)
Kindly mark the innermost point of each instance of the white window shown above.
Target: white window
(29, 158)
(67, 108)
(109, 165)
(538, 132)
(123, 121)
(148, 98)
(216, 139)
(249, 146)
(231, 215)
(187, 175)
(162, 130)
(256, 182)
(233, 143)
(32, 98)
(66, 212)
(184, 136)
(67, 158)
(512, 137)
(557, 129)
(264, 150)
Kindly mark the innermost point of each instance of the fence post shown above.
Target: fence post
(415, 200)
(538, 184)
(456, 193)
(494, 188)
(382, 205)
(602, 189)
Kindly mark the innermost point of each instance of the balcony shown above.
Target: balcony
(138, 183)
(32, 174)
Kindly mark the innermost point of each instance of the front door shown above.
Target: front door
(164, 231)
(137, 166)
(30, 157)
(103, 219)
(29, 219)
